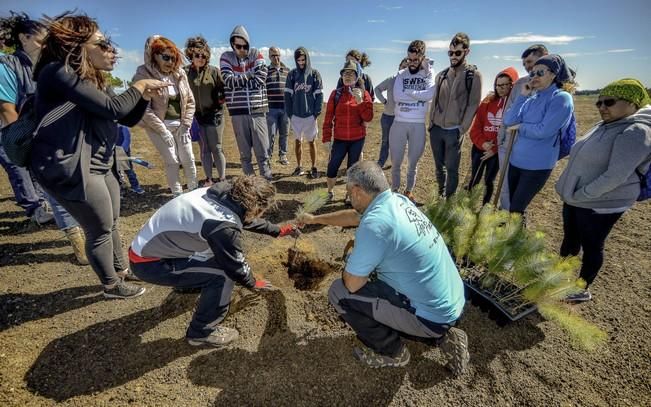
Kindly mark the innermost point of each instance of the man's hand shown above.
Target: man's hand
(305, 219)
(289, 230)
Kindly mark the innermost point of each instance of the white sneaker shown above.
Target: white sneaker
(43, 214)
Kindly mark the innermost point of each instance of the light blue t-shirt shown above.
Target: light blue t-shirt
(8, 85)
(398, 241)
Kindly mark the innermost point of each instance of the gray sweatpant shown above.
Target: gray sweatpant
(251, 133)
(211, 149)
(401, 135)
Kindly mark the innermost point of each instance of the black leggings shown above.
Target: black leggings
(524, 185)
(98, 217)
(585, 229)
(487, 169)
(339, 150)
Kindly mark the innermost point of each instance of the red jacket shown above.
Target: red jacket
(487, 122)
(350, 117)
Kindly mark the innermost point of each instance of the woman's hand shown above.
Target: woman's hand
(358, 95)
(513, 128)
(488, 145)
(149, 87)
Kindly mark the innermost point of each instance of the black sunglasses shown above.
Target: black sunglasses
(167, 58)
(538, 72)
(240, 46)
(199, 56)
(606, 102)
(456, 53)
(105, 45)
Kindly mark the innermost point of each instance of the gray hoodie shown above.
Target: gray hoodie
(600, 173)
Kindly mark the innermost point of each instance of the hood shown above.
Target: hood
(308, 64)
(643, 115)
(220, 193)
(511, 72)
(150, 67)
(240, 31)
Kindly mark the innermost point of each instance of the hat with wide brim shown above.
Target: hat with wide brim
(349, 66)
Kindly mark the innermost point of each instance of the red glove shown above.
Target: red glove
(289, 230)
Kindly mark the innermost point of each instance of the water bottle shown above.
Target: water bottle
(142, 162)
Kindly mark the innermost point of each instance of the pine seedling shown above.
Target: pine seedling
(312, 202)
(583, 334)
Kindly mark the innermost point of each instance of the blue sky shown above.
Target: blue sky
(602, 40)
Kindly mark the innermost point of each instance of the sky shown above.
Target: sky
(602, 40)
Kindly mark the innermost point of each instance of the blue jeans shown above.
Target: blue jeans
(216, 288)
(385, 122)
(63, 218)
(27, 191)
(277, 120)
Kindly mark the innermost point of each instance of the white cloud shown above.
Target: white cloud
(620, 50)
(591, 53)
(506, 57)
(390, 7)
(521, 38)
(375, 21)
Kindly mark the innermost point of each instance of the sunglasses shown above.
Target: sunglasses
(455, 53)
(241, 46)
(167, 58)
(538, 72)
(105, 45)
(606, 102)
(199, 56)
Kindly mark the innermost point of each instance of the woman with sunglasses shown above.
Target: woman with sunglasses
(539, 115)
(168, 118)
(602, 177)
(74, 157)
(208, 89)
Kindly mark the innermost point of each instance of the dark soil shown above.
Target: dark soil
(62, 343)
(306, 272)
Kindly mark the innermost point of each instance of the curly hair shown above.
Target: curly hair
(161, 44)
(64, 43)
(255, 194)
(417, 47)
(460, 38)
(361, 57)
(197, 45)
(14, 25)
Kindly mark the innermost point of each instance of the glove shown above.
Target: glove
(183, 134)
(289, 230)
(264, 285)
(168, 138)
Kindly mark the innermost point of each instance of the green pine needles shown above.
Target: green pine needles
(510, 263)
(312, 202)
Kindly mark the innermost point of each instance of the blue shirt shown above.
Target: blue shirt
(397, 240)
(541, 117)
(8, 85)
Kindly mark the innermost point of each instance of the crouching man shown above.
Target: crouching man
(399, 278)
(194, 241)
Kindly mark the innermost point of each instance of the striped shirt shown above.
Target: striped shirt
(276, 78)
(244, 83)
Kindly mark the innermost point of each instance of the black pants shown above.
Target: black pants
(341, 148)
(524, 185)
(487, 169)
(585, 229)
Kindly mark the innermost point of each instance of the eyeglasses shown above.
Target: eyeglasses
(199, 56)
(503, 85)
(605, 102)
(413, 61)
(167, 58)
(456, 53)
(538, 72)
(241, 46)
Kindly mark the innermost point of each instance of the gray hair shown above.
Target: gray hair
(368, 175)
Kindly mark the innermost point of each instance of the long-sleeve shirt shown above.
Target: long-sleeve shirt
(276, 78)
(245, 83)
(455, 106)
(487, 122)
(411, 93)
(389, 102)
(541, 116)
(346, 120)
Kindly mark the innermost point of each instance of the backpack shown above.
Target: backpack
(470, 76)
(567, 137)
(645, 184)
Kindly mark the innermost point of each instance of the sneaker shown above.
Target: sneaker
(43, 214)
(375, 360)
(123, 290)
(138, 190)
(347, 201)
(583, 296)
(297, 172)
(410, 196)
(222, 335)
(314, 174)
(283, 160)
(455, 349)
(206, 182)
(331, 196)
(78, 242)
(127, 275)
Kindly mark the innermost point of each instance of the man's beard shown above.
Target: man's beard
(414, 71)
(459, 63)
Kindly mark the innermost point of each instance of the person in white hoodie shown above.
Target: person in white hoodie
(413, 88)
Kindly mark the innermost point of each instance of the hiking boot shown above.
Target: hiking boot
(43, 214)
(583, 296)
(123, 290)
(455, 349)
(138, 190)
(78, 242)
(375, 360)
(297, 172)
(283, 160)
(222, 335)
(314, 174)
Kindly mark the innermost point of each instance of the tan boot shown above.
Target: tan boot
(78, 242)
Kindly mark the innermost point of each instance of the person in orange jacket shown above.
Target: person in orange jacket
(484, 129)
(347, 110)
